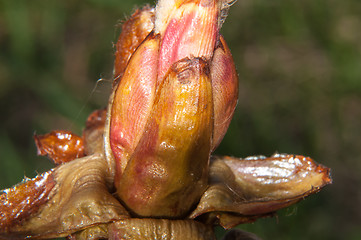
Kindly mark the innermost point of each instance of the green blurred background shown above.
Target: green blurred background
(299, 64)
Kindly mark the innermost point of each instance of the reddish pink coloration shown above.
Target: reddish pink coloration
(169, 167)
(193, 34)
(133, 100)
(225, 90)
(174, 97)
(187, 51)
(192, 31)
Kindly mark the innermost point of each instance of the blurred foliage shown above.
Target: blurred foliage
(300, 91)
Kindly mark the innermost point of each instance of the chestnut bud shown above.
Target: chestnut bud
(171, 108)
